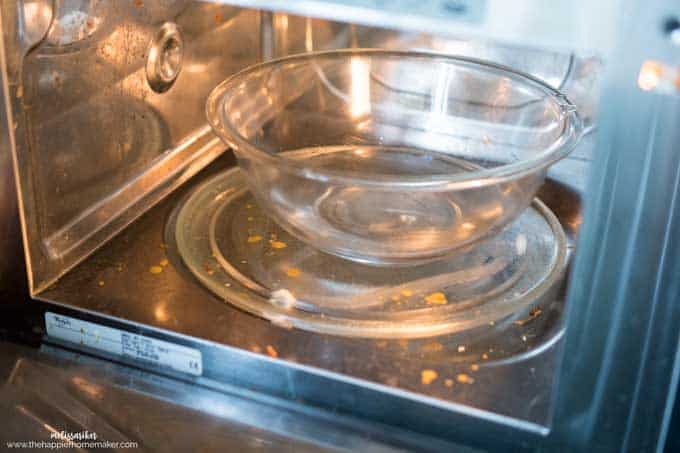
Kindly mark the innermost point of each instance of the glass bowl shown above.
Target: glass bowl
(388, 157)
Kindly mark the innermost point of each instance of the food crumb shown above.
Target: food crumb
(271, 351)
(438, 298)
(485, 356)
(461, 348)
(254, 239)
(101, 283)
(474, 367)
(155, 269)
(406, 292)
(278, 244)
(464, 379)
(428, 376)
(524, 338)
(293, 272)
(164, 262)
(448, 382)
(534, 313)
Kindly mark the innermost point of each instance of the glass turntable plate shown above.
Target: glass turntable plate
(241, 255)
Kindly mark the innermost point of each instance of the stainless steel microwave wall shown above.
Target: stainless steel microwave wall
(104, 123)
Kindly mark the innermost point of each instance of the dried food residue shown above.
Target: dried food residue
(271, 351)
(293, 272)
(437, 298)
(278, 244)
(464, 379)
(533, 314)
(155, 270)
(254, 239)
(428, 376)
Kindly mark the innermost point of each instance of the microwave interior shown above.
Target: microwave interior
(106, 107)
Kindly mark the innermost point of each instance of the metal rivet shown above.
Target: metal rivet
(164, 61)
(672, 29)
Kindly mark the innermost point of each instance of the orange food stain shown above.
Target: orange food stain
(428, 376)
(293, 272)
(155, 270)
(438, 298)
(406, 293)
(464, 379)
(271, 351)
(278, 244)
(254, 239)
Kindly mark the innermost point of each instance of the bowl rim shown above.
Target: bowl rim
(572, 132)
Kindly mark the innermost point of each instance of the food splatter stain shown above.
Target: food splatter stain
(428, 376)
(438, 298)
(278, 244)
(254, 239)
(271, 351)
(464, 379)
(293, 272)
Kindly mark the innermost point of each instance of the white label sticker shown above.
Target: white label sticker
(126, 344)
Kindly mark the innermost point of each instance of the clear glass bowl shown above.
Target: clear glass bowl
(392, 158)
